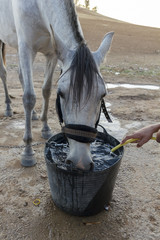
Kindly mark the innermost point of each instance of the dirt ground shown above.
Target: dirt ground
(134, 213)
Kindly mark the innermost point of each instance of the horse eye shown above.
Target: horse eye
(103, 96)
(60, 93)
(61, 72)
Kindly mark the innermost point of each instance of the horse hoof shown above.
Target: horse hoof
(8, 113)
(28, 160)
(46, 134)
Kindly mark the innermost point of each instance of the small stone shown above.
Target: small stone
(25, 204)
(43, 176)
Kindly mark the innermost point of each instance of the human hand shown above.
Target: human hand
(144, 135)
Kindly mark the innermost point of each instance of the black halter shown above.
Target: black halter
(80, 133)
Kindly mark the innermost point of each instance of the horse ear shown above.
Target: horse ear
(101, 52)
(61, 49)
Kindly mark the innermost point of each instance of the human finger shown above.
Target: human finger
(158, 136)
(142, 141)
(133, 136)
(125, 139)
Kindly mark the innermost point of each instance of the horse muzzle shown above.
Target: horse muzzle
(82, 135)
(79, 153)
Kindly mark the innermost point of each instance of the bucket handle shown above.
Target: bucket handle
(104, 130)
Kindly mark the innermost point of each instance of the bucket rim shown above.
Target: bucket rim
(79, 171)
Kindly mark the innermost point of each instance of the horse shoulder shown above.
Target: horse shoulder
(31, 26)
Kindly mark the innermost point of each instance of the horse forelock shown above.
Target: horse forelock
(83, 71)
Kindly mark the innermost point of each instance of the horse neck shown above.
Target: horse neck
(63, 19)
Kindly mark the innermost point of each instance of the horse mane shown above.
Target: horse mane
(83, 71)
(83, 67)
(70, 6)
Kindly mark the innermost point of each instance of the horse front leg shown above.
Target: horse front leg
(3, 76)
(46, 92)
(26, 57)
(34, 113)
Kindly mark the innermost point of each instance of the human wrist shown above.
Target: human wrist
(155, 127)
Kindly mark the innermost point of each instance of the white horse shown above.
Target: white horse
(52, 28)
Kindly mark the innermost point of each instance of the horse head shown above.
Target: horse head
(79, 95)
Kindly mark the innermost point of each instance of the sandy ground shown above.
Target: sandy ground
(134, 213)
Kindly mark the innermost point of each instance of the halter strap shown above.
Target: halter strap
(80, 133)
(103, 106)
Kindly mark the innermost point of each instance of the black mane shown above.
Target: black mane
(72, 17)
(83, 67)
(83, 71)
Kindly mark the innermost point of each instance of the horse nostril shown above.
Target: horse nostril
(69, 162)
(70, 165)
(91, 166)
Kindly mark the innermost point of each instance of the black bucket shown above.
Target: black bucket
(82, 193)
